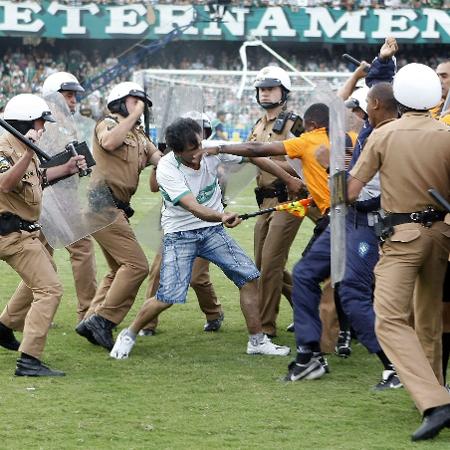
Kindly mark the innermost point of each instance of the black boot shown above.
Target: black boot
(82, 330)
(7, 338)
(27, 366)
(434, 420)
(101, 330)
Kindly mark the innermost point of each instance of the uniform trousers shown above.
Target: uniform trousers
(200, 282)
(32, 314)
(128, 269)
(413, 262)
(355, 290)
(273, 237)
(82, 259)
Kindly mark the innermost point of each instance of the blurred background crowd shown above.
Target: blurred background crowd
(349, 5)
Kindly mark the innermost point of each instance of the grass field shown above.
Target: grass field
(186, 389)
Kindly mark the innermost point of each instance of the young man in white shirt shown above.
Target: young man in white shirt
(192, 220)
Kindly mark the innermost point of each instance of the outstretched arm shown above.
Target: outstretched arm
(294, 184)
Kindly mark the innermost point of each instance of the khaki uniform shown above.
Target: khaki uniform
(82, 259)
(200, 282)
(412, 155)
(127, 262)
(24, 252)
(274, 234)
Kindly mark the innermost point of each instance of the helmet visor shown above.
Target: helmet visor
(352, 103)
(141, 95)
(71, 86)
(47, 116)
(267, 82)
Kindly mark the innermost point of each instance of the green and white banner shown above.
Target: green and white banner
(52, 19)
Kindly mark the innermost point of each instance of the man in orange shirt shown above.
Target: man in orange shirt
(303, 148)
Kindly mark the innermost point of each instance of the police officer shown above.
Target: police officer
(412, 155)
(82, 256)
(121, 150)
(21, 182)
(274, 233)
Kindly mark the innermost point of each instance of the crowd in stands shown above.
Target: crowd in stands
(23, 68)
(349, 5)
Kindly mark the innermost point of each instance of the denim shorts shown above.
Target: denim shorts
(211, 243)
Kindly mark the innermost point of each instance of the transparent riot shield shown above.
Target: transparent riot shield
(74, 207)
(85, 129)
(172, 102)
(57, 135)
(338, 184)
(169, 104)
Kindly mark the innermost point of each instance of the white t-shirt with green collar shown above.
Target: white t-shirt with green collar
(176, 180)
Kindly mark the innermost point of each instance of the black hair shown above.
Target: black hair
(182, 133)
(385, 95)
(119, 107)
(318, 113)
(22, 126)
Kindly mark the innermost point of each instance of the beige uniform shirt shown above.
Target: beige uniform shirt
(25, 199)
(412, 155)
(262, 132)
(122, 166)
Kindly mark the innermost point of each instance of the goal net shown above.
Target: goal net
(229, 91)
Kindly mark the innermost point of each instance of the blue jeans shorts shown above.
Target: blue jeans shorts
(211, 243)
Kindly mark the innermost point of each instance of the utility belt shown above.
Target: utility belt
(11, 223)
(385, 228)
(279, 191)
(124, 206)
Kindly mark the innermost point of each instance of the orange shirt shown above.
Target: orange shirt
(316, 177)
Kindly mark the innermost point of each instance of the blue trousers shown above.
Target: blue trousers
(355, 290)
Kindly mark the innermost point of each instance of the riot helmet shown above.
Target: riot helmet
(23, 109)
(272, 76)
(417, 86)
(118, 94)
(61, 81)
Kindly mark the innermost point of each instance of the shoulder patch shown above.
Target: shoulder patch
(4, 164)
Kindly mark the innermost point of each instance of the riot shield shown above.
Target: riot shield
(75, 207)
(169, 104)
(338, 184)
(85, 129)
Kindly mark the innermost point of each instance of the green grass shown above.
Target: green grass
(187, 389)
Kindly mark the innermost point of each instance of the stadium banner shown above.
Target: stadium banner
(53, 19)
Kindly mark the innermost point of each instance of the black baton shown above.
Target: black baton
(42, 155)
(441, 200)
(354, 61)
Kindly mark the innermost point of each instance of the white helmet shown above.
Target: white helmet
(358, 99)
(27, 107)
(61, 81)
(125, 89)
(417, 86)
(271, 76)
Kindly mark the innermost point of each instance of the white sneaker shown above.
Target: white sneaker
(267, 347)
(123, 346)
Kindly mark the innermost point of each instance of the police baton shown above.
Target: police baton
(439, 198)
(41, 154)
(354, 61)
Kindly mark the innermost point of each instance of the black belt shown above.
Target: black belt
(425, 218)
(10, 223)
